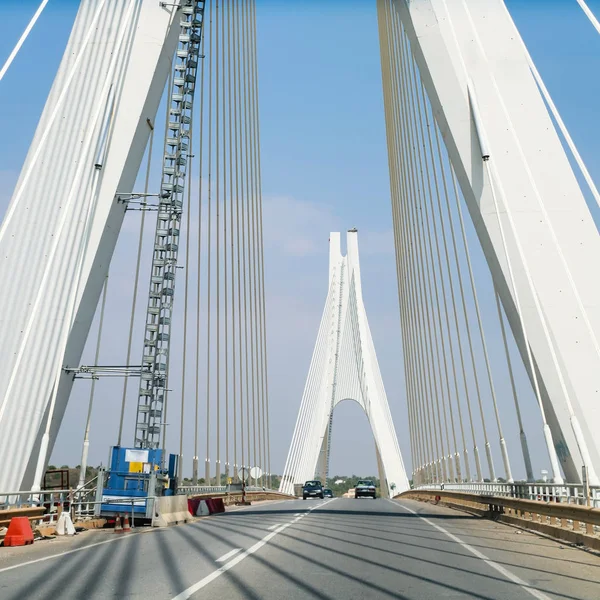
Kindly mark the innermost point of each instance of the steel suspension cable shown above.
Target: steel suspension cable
(436, 269)
(261, 269)
(522, 434)
(231, 231)
(420, 265)
(419, 425)
(238, 177)
(186, 295)
(409, 310)
(432, 275)
(414, 273)
(22, 39)
(86, 435)
(386, 76)
(251, 235)
(209, 246)
(452, 298)
(218, 246)
(457, 323)
(199, 267)
(258, 257)
(474, 294)
(447, 273)
(225, 270)
(589, 14)
(246, 239)
(391, 100)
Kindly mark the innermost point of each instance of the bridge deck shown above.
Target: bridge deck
(340, 548)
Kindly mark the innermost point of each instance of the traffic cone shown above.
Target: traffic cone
(118, 528)
(126, 527)
(19, 532)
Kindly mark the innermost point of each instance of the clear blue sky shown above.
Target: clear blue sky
(324, 168)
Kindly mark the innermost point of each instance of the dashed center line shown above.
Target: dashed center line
(227, 556)
(237, 559)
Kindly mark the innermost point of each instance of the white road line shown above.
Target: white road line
(66, 552)
(273, 527)
(230, 554)
(297, 514)
(234, 561)
(115, 539)
(510, 576)
(239, 558)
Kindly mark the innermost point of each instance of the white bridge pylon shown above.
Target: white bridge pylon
(343, 367)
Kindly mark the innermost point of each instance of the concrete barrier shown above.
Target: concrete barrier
(569, 522)
(169, 510)
(202, 510)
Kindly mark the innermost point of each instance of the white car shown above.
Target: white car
(365, 487)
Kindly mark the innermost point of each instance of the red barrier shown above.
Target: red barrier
(193, 504)
(19, 532)
(214, 505)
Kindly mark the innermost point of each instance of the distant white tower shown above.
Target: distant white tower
(343, 367)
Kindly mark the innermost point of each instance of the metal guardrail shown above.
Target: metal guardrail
(569, 521)
(33, 513)
(568, 493)
(47, 505)
(191, 490)
(80, 502)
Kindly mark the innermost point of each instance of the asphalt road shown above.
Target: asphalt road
(328, 550)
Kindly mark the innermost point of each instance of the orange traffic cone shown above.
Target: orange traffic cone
(19, 532)
(126, 527)
(118, 528)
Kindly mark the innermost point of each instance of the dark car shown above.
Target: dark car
(327, 493)
(365, 488)
(312, 489)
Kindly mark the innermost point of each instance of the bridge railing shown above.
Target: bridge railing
(79, 502)
(569, 493)
(197, 490)
(575, 523)
(82, 503)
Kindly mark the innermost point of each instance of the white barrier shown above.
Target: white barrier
(169, 510)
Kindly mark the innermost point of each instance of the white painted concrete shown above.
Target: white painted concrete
(344, 367)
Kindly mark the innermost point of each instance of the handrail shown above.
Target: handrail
(566, 493)
(574, 512)
(572, 522)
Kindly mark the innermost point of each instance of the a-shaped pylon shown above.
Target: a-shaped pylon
(343, 367)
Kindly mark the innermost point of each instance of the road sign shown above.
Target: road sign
(244, 473)
(256, 472)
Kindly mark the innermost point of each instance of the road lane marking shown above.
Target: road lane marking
(273, 527)
(229, 555)
(187, 593)
(116, 539)
(297, 514)
(66, 552)
(508, 574)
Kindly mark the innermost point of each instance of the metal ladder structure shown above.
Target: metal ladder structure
(157, 337)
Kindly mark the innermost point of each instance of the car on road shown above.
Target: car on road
(327, 493)
(365, 488)
(312, 489)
